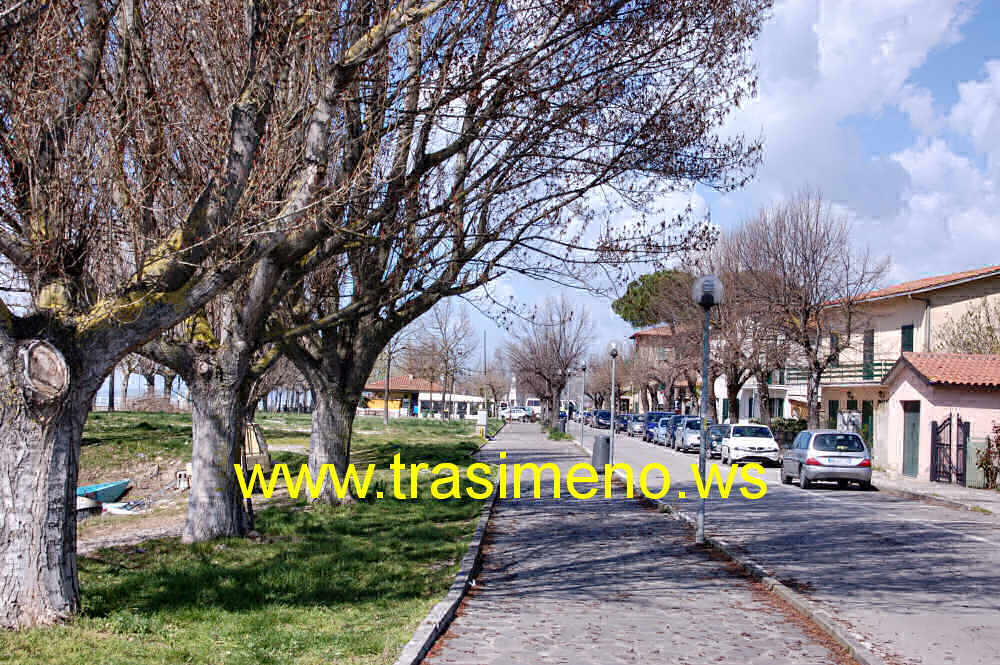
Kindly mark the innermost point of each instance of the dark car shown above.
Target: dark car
(715, 436)
(622, 422)
(652, 420)
(675, 421)
(602, 419)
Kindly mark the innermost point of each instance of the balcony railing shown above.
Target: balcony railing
(873, 372)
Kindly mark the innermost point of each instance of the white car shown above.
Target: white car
(515, 413)
(749, 443)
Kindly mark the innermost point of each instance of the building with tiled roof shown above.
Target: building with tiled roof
(938, 407)
(415, 397)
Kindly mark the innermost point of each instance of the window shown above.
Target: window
(832, 413)
(757, 431)
(835, 349)
(840, 443)
(907, 338)
(750, 408)
(725, 408)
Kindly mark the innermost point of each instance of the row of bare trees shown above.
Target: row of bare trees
(224, 183)
(795, 287)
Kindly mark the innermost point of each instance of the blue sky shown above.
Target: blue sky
(892, 109)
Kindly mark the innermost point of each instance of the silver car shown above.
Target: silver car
(637, 426)
(827, 454)
(687, 434)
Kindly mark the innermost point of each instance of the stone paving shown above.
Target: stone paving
(609, 581)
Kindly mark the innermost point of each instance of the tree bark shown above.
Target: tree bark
(764, 396)
(39, 453)
(215, 504)
(812, 394)
(733, 395)
(330, 437)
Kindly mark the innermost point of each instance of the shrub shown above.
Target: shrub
(988, 459)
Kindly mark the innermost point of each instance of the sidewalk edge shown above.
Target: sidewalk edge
(439, 618)
(932, 499)
(751, 568)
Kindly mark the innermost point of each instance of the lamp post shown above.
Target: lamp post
(583, 391)
(614, 356)
(707, 292)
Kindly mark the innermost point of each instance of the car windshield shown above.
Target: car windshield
(604, 414)
(756, 431)
(693, 424)
(841, 443)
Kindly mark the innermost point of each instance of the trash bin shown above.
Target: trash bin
(602, 452)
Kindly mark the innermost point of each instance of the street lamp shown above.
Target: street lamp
(583, 391)
(707, 293)
(613, 352)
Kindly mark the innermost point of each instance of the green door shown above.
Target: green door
(867, 420)
(834, 408)
(911, 438)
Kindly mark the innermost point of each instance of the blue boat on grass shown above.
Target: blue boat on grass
(104, 492)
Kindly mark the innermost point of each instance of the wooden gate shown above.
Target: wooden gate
(941, 466)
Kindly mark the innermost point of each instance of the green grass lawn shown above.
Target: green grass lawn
(344, 585)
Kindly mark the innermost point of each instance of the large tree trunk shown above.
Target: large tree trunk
(150, 385)
(111, 390)
(126, 376)
(215, 504)
(763, 396)
(733, 395)
(330, 436)
(812, 395)
(39, 452)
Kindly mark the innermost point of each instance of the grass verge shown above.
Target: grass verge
(323, 584)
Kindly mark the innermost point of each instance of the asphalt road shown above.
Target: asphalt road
(918, 583)
(607, 580)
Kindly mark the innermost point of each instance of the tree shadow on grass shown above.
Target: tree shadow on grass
(385, 550)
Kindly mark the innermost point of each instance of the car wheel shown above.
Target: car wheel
(722, 458)
(866, 485)
(785, 478)
(842, 484)
(803, 481)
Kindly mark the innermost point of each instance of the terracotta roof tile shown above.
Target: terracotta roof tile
(960, 369)
(932, 283)
(405, 384)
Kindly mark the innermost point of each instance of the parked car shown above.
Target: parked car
(622, 421)
(652, 422)
(675, 420)
(515, 413)
(716, 434)
(687, 434)
(827, 454)
(637, 426)
(602, 419)
(749, 443)
(662, 432)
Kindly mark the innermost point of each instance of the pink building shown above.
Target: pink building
(936, 402)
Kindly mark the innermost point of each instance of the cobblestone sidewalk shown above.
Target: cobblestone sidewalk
(610, 581)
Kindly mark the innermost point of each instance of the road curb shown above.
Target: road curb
(439, 618)
(802, 605)
(930, 498)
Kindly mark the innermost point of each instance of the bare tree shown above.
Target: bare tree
(975, 331)
(546, 349)
(801, 265)
(445, 343)
(496, 145)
